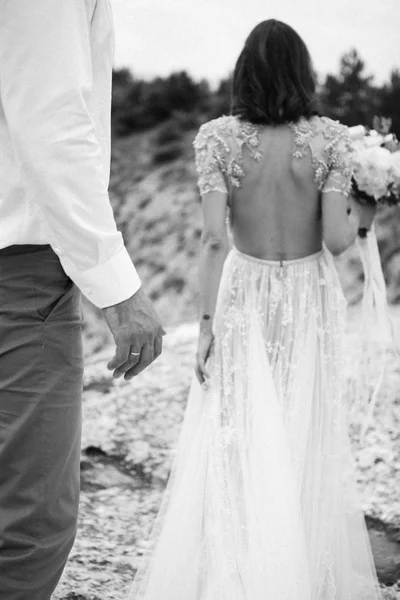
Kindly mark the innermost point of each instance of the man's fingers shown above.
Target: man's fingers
(146, 358)
(157, 347)
(133, 320)
(140, 359)
(131, 362)
(121, 356)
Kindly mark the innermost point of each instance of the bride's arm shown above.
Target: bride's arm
(339, 225)
(342, 219)
(211, 149)
(214, 248)
(213, 252)
(341, 215)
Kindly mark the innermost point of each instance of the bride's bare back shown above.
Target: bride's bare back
(274, 179)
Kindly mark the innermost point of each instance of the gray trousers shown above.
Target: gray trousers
(41, 378)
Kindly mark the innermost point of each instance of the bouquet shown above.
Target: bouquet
(376, 163)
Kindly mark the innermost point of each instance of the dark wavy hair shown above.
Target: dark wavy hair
(274, 80)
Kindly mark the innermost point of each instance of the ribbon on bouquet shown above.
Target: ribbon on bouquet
(375, 319)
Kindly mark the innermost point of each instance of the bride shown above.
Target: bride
(261, 503)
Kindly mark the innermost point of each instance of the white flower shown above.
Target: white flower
(358, 145)
(380, 158)
(373, 170)
(396, 164)
(357, 132)
(373, 187)
(376, 168)
(374, 139)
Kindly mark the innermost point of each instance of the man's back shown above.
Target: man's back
(55, 101)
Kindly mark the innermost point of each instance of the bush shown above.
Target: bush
(169, 132)
(139, 104)
(173, 129)
(186, 121)
(167, 153)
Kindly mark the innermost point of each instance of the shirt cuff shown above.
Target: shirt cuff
(109, 283)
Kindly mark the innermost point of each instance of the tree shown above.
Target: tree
(390, 101)
(350, 96)
(220, 101)
(140, 104)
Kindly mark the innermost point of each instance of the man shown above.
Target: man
(57, 238)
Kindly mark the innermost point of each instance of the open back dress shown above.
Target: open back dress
(261, 502)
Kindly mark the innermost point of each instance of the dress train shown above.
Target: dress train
(261, 502)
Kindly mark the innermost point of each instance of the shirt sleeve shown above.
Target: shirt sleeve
(210, 154)
(340, 162)
(46, 85)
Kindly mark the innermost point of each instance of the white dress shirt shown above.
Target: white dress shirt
(56, 61)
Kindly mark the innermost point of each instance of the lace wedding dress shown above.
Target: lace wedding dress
(261, 503)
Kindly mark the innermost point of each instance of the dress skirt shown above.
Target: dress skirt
(261, 502)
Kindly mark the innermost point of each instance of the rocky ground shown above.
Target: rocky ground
(129, 430)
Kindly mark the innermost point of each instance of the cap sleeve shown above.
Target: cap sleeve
(211, 152)
(340, 162)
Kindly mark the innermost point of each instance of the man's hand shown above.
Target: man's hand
(137, 332)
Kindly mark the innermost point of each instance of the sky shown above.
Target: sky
(204, 37)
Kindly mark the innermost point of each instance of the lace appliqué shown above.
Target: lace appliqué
(333, 170)
(218, 151)
(247, 135)
(211, 150)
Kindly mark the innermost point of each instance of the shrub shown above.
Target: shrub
(169, 132)
(167, 153)
(186, 121)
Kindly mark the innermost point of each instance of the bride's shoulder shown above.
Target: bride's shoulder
(330, 128)
(221, 127)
